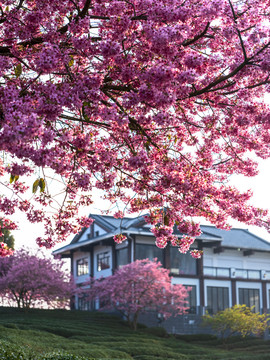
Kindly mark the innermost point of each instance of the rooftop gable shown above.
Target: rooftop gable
(234, 238)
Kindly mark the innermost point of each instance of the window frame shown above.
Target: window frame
(84, 304)
(191, 299)
(83, 268)
(117, 252)
(246, 295)
(193, 262)
(153, 246)
(106, 264)
(217, 293)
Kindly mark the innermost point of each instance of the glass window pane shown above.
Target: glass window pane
(209, 300)
(121, 257)
(256, 300)
(148, 251)
(191, 300)
(226, 298)
(182, 263)
(250, 297)
(103, 261)
(83, 303)
(82, 267)
(217, 299)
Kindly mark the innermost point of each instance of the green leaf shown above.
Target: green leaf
(18, 70)
(86, 117)
(71, 61)
(35, 186)
(41, 185)
(16, 177)
(12, 177)
(166, 220)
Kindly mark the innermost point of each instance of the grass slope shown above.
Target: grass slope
(68, 335)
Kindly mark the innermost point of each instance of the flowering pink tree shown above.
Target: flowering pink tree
(154, 102)
(139, 287)
(33, 280)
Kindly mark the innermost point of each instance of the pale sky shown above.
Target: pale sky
(27, 233)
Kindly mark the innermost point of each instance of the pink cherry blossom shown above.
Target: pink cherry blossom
(137, 288)
(153, 103)
(30, 279)
(119, 238)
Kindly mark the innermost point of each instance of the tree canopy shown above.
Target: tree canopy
(136, 288)
(156, 103)
(240, 319)
(32, 280)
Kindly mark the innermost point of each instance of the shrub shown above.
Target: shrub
(10, 352)
(157, 331)
(196, 337)
(58, 355)
(237, 320)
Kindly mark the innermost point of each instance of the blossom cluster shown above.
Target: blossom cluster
(119, 238)
(154, 103)
(4, 250)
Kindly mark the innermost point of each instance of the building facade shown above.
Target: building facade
(234, 268)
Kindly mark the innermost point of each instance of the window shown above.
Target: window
(217, 299)
(250, 297)
(191, 299)
(149, 251)
(83, 303)
(182, 263)
(121, 257)
(103, 261)
(82, 267)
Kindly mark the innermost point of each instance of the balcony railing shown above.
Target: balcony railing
(216, 271)
(236, 273)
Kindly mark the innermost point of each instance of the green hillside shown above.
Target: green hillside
(67, 335)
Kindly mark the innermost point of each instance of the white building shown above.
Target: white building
(234, 268)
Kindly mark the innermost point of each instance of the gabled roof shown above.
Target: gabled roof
(234, 238)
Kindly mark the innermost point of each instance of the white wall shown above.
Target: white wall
(236, 259)
(84, 236)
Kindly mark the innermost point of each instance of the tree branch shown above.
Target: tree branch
(197, 37)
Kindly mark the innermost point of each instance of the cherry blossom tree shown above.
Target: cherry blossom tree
(138, 287)
(31, 280)
(156, 103)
